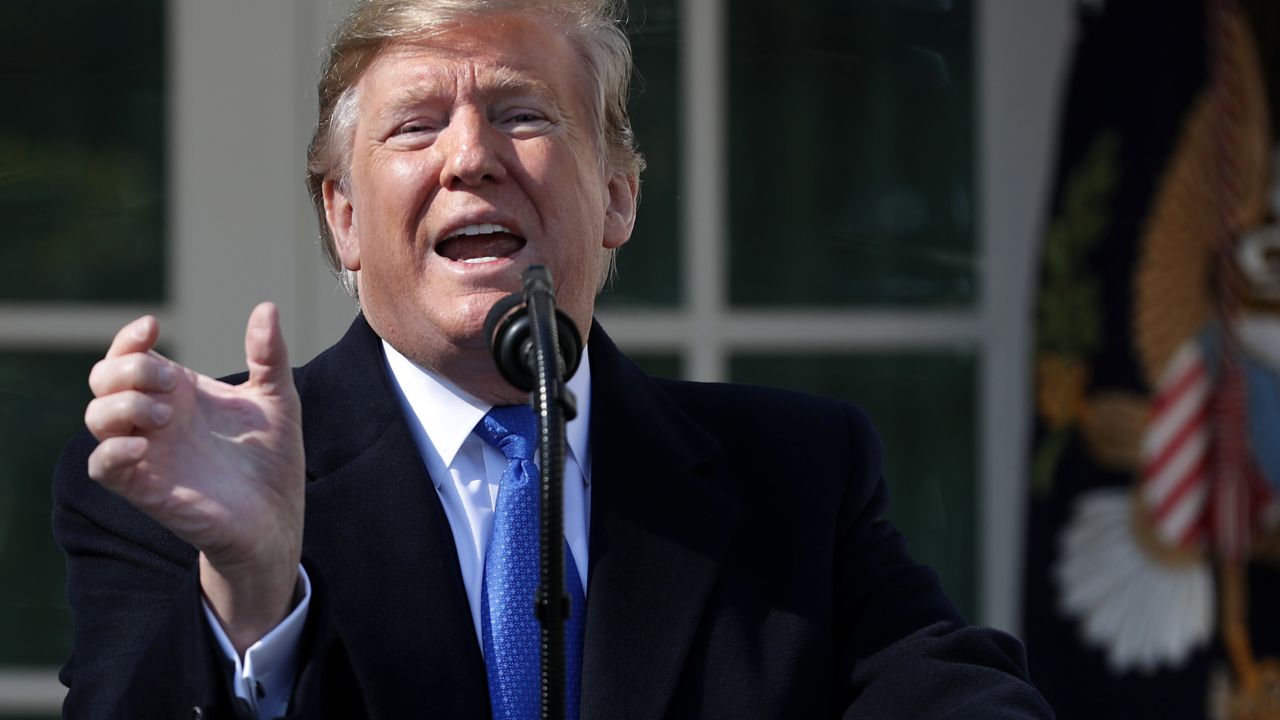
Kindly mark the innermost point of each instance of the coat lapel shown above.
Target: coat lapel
(376, 530)
(661, 518)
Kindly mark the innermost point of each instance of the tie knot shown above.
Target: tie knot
(511, 429)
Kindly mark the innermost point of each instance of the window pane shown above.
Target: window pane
(850, 153)
(42, 401)
(649, 265)
(925, 409)
(82, 150)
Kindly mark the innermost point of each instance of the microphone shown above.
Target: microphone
(536, 347)
(509, 331)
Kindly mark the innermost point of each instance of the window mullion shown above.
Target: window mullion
(704, 216)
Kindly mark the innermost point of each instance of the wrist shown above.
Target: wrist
(249, 602)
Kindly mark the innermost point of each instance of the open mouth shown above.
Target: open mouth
(480, 243)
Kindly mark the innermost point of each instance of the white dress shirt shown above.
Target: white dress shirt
(466, 472)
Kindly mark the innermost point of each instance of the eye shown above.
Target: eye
(415, 127)
(523, 122)
(420, 132)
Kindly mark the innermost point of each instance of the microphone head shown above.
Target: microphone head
(508, 332)
(570, 344)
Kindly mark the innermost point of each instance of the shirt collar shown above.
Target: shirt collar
(448, 414)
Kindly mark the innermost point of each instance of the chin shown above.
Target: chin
(469, 318)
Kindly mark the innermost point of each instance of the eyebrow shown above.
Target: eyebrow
(502, 80)
(514, 82)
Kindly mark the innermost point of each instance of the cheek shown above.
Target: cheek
(577, 197)
(399, 183)
(395, 197)
(404, 169)
(581, 265)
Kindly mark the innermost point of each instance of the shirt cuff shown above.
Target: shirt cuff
(264, 679)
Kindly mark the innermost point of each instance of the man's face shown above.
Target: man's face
(473, 158)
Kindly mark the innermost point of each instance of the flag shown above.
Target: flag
(1151, 566)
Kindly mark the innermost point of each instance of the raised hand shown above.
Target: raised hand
(220, 466)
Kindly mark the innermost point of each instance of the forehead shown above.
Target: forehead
(490, 53)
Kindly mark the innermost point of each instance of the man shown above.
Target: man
(318, 542)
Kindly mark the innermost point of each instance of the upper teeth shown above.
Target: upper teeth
(480, 229)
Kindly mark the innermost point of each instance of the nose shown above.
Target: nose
(471, 152)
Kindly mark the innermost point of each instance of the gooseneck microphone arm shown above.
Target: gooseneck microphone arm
(536, 348)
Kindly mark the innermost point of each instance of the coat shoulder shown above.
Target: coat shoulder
(753, 413)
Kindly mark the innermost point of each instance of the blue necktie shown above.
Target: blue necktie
(508, 625)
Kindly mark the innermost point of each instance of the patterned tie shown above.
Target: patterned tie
(508, 624)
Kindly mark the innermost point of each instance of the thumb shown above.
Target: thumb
(264, 351)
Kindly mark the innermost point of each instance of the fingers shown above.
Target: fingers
(122, 413)
(122, 381)
(147, 371)
(132, 364)
(112, 461)
(265, 352)
(138, 336)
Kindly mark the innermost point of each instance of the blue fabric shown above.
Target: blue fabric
(508, 624)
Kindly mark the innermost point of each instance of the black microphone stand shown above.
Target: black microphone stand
(536, 348)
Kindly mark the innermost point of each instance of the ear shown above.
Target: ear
(620, 213)
(341, 216)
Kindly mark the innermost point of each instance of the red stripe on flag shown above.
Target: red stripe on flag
(1193, 477)
(1194, 423)
(1168, 395)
